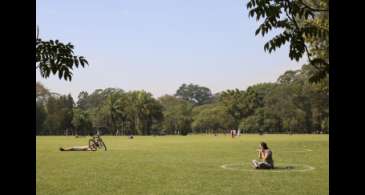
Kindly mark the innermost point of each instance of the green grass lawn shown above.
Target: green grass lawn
(182, 165)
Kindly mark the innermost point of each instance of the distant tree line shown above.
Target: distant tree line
(292, 104)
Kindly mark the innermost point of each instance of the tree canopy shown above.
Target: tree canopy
(195, 94)
(304, 25)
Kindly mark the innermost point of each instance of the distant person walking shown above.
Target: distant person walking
(233, 133)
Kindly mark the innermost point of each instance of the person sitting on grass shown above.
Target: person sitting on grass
(90, 147)
(265, 155)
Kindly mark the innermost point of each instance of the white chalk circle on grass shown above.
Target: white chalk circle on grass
(281, 167)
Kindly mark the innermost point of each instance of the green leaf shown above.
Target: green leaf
(257, 31)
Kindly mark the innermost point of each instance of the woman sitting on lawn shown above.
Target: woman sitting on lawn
(90, 147)
(265, 155)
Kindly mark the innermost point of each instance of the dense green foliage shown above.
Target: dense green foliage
(304, 25)
(291, 105)
(195, 94)
(55, 57)
(177, 115)
(212, 118)
(181, 165)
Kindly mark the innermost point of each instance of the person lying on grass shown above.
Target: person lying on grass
(90, 147)
(265, 155)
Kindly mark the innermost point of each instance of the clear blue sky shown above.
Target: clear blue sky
(158, 45)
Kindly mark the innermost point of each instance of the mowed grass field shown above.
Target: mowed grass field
(182, 165)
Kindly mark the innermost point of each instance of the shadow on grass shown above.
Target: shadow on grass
(278, 168)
